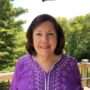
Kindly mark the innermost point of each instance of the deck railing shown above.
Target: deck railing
(84, 67)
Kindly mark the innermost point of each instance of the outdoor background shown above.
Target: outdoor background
(16, 16)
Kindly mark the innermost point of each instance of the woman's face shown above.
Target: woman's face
(45, 39)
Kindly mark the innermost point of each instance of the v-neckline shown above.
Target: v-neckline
(59, 60)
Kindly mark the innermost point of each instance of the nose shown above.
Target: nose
(45, 38)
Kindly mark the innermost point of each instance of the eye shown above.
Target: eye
(38, 34)
(51, 33)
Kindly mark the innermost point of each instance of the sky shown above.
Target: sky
(57, 8)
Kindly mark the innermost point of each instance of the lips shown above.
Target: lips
(44, 47)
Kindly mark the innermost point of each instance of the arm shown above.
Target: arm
(15, 79)
(77, 76)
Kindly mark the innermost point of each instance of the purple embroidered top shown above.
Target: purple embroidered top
(29, 75)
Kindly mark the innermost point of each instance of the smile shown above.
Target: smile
(46, 47)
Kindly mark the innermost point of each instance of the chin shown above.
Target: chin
(45, 54)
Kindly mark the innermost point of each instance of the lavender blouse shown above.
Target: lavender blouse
(29, 75)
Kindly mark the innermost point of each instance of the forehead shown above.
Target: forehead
(45, 26)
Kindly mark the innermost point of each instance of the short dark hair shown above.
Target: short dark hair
(59, 31)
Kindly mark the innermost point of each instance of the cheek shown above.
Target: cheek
(54, 39)
(36, 42)
(54, 42)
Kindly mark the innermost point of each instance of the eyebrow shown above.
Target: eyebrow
(48, 30)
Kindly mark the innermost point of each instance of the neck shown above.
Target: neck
(46, 62)
(46, 59)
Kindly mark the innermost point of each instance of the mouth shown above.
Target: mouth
(45, 47)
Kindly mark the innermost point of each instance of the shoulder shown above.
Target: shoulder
(71, 60)
(70, 63)
(24, 59)
(66, 56)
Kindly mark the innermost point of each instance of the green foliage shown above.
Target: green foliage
(77, 32)
(6, 42)
(8, 13)
(20, 46)
(79, 37)
(12, 44)
(12, 37)
(64, 23)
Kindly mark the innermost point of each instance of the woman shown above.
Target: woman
(45, 67)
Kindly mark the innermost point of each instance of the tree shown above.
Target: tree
(79, 40)
(66, 27)
(77, 33)
(9, 29)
